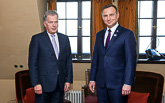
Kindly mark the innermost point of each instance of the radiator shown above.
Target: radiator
(74, 96)
(163, 98)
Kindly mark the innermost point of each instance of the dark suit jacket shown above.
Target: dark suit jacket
(116, 65)
(43, 64)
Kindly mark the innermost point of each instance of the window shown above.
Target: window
(75, 21)
(151, 20)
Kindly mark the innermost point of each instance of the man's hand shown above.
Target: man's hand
(38, 89)
(66, 87)
(126, 90)
(92, 86)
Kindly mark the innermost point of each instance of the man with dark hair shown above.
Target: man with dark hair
(50, 62)
(114, 60)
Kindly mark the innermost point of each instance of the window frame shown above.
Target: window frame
(154, 35)
(79, 57)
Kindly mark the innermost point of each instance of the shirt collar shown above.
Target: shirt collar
(51, 34)
(113, 28)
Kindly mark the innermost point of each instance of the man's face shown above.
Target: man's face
(110, 17)
(51, 24)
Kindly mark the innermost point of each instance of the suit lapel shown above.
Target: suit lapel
(61, 45)
(100, 39)
(47, 41)
(114, 37)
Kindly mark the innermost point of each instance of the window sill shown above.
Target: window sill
(146, 61)
(81, 60)
(140, 61)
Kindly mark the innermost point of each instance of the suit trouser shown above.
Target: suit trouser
(106, 95)
(55, 96)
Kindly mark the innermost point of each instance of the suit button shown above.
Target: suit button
(57, 72)
(105, 56)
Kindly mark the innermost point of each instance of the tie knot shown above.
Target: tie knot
(52, 36)
(109, 30)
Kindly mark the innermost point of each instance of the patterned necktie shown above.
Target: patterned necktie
(108, 39)
(54, 45)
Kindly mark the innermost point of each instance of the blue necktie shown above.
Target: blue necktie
(108, 39)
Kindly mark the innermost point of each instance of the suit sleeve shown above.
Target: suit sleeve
(131, 58)
(94, 62)
(69, 63)
(33, 61)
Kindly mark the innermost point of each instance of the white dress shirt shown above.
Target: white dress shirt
(56, 39)
(112, 32)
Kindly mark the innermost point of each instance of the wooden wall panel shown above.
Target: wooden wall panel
(52, 5)
(127, 13)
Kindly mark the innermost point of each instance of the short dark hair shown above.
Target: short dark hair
(49, 12)
(110, 5)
